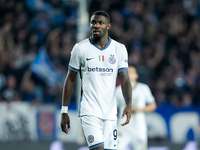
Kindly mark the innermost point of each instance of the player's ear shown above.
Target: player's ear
(109, 26)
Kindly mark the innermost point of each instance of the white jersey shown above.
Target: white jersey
(99, 69)
(141, 95)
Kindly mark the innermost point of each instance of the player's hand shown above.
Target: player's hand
(127, 112)
(65, 121)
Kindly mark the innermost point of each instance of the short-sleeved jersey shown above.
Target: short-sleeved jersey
(141, 96)
(98, 69)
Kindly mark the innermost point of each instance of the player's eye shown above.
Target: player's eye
(93, 22)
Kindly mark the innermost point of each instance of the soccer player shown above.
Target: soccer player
(99, 59)
(135, 133)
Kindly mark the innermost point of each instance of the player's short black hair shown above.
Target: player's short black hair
(103, 13)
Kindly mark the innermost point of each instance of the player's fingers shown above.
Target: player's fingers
(64, 129)
(123, 117)
(127, 119)
(123, 124)
(123, 114)
(68, 126)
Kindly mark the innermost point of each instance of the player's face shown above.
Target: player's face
(99, 26)
(132, 74)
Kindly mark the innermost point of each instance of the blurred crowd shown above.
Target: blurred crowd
(36, 38)
(162, 38)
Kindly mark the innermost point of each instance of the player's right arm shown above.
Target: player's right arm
(74, 65)
(66, 96)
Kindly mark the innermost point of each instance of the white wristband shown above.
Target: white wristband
(64, 109)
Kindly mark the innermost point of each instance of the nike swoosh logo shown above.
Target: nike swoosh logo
(89, 58)
(115, 145)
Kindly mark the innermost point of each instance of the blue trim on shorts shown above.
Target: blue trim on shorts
(109, 149)
(93, 146)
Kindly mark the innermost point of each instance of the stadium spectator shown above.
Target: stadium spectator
(10, 92)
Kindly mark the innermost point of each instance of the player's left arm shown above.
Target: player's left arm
(148, 108)
(150, 100)
(127, 93)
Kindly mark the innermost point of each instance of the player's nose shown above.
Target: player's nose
(96, 25)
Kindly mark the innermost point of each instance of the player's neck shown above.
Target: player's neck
(101, 43)
(133, 83)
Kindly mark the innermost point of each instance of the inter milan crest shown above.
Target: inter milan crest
(90, 138)
(112, 59)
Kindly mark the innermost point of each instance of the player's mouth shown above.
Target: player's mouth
(96, 32)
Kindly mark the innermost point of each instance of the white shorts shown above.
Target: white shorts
(136, 142)
(99, 131)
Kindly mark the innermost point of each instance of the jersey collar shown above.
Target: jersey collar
(92, 42)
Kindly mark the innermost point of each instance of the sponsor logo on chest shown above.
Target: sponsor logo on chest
(104, 71)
